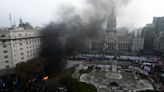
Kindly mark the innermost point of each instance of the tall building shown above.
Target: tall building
(158, 23)
(18, 44)
(149, 37)
(152, 34)
(160, 42)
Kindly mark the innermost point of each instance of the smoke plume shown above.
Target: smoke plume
(71, 32)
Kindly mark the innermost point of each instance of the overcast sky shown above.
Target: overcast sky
(40, 12)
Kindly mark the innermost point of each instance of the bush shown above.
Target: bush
(30, 69)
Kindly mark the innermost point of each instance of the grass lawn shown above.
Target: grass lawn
(64, 79)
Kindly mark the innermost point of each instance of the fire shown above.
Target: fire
(45, 78)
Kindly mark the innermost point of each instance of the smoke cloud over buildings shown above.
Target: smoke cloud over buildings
(69, 34)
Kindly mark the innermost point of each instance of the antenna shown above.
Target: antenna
(10, 18)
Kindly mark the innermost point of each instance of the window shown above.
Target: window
(19, 34)
(4, 46)
(6, 61)
(3, 35)
(3, 41)
(21, 48)
(20, 44)
(22, 58)
(21, 53)
(6, 56)
(7, 66)
(5, 51)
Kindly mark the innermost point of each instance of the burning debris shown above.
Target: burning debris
(45, 78)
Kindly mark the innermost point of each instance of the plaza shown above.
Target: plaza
(108, 78)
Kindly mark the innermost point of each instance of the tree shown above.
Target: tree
(31, 69)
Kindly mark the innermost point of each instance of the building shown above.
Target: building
(161, 42)
(149, 37)
(111, 22)
(107, 41)
(152, 34)
(125, 42)
(158, 23)
(137, 44)
(122, 31)
(116, 40)
(17, 45)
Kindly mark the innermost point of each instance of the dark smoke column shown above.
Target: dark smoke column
(52, 48)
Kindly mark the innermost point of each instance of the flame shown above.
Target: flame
(45, 78)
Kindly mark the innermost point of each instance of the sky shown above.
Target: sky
(137, 13)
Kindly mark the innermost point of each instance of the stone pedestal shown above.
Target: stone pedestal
(114, 66)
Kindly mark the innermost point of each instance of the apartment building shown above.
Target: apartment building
(18, 44)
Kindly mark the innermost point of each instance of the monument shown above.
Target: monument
(114, 66)
(114, 73)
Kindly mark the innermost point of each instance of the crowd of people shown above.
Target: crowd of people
(13, 84)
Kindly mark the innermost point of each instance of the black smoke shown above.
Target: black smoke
(71, 33)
